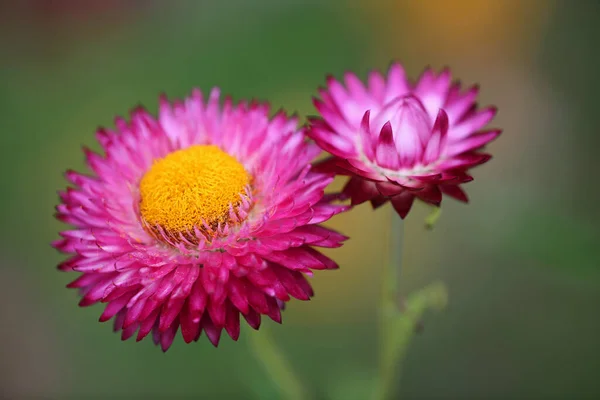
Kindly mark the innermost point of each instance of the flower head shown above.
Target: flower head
(399, 141)
(196, 217)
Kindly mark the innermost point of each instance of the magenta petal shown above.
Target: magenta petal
(454, 191)
(360, 190)
(457, 103)
(465, 161)
(355, 87)
(114, 307)
(129, 331)
(437, 140)
(430, 178)
(118, 321)
(433, 90)
(388, 189)
(471, 143)
(402, 203)
(190, 325)
(292, 281)
(212, 332)
(410, 124)
(170, 312)
(257, 300)
(359, 168)
(305, 286)
(331, 165)
(168, 336)
(253, 319)
(386, 153)
(378, 201)
(471, 123)
(377, 86)
(237, 295)
(232, 324)
(334, 143)
(146, 326)
(430, 194)
(274, 310)
(397, 84)
(365, 136)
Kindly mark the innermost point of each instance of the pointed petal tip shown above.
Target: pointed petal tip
(402, 203)
(428, 69)
(317, 102)
(441, 122)
(313, 118)
(446, 70)
(394, 63)
(485, 157)
(104, 318)
(386, 129)
(137, 109)
(196, 92)
(365, 120)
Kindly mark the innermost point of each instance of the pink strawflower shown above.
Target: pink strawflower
(196, 217)
(399, 141)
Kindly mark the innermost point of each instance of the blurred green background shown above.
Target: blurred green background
(521, 261)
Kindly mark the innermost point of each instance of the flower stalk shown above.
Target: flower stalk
(399, 320)
(277, 367)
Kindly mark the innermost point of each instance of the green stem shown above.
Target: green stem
(398, 322)
(276, 366)
(389, 306)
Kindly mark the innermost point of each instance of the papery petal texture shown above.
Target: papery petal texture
(162, 282)
(399, 140)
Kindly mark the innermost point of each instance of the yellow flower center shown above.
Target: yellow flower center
(191, 186)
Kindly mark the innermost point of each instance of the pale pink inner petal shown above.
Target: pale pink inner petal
(397, 84)
(432, 91)
(410, 124)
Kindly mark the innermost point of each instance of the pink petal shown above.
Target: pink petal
(471, 124)
(410, 124)
(253, 319)
(397, 84)
(360, 190)
(366, 138)
(432, 90)
(430, 194)
(402, 203)
(389, 189)
(464, 161)
(455, 191)
(190, 326)
(212, 332)
(437, 140)
(377, 86)
(232, 324)
(168, 336)
(386, 154)
(458, 104)
(472, 142)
